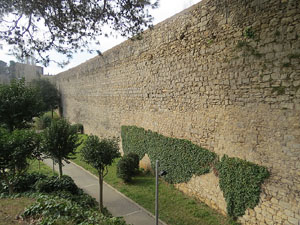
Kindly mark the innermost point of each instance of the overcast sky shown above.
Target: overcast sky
(166, 9)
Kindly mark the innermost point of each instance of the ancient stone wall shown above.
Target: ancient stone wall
(223, 74)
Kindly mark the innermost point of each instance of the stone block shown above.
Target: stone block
(293, 220)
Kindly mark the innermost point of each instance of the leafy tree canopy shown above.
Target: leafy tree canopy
(18, 104)
(48, 93)
(15, 148)
(60, 142)
(100, 154)
(35, 27)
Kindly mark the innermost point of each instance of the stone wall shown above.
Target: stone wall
(223, 74)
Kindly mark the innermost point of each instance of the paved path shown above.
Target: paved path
(117, 203)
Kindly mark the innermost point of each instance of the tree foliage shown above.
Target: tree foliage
(100, 154)
(48, 93)
(15, 148)
(60, 141)
(18, 104)
(68, 25)
(128, 166)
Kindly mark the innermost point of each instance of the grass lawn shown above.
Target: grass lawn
(175, 208)
(36, 166)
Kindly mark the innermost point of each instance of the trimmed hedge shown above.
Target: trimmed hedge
(180, 158)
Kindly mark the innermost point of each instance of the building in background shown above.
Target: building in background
(17, 70)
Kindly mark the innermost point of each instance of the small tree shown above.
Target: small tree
(100, 154)
(48, 93)
(19, 104)
(15, 148)
(60, 142)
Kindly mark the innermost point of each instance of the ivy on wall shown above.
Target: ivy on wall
(181, 158)
(240, 180)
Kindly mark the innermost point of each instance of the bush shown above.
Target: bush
(56, 184)
(50, 209)
(127, 167)
(22, 183)
(83, 199)
(78, 127)
(26, 182)
(43, 122)
(135, 160)
(3, 187)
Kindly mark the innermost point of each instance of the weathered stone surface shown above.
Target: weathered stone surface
(230, 93)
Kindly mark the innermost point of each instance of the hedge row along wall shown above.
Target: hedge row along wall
(240, 180)
(221, 74)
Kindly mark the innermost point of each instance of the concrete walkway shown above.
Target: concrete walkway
(117, 203)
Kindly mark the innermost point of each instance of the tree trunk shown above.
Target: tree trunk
(52, 113)
(10, 128)
(53, 166)
(100, 191)
(10, 186)
(60, 168)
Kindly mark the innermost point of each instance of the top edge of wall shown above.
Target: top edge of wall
(128, 41)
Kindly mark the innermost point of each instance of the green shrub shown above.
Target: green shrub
(56, 184)
(26, 181)
(3, 187)
(83, 199)
(78, 127)
(135, 161)
(126, 168)
(50, 209)
(22, 183)
(240, 182)
(43, 121)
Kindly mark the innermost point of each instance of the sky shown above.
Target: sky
(167, 8)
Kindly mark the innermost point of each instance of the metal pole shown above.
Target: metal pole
(156, 193)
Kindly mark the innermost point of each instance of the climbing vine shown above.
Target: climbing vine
(240, 182)
(180, 158)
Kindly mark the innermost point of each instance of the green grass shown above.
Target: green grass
(38, 166)
(55, 115)
(175, 208)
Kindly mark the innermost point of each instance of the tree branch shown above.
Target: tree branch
(29, 24)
